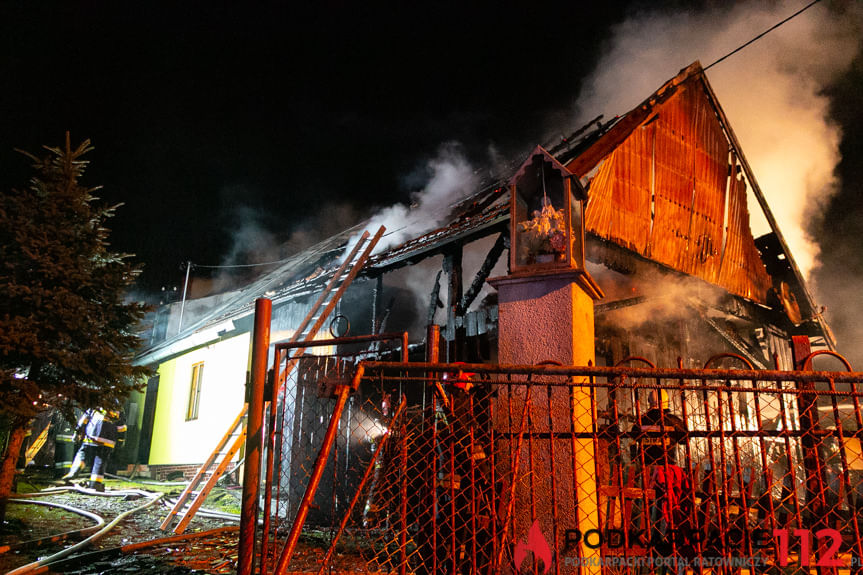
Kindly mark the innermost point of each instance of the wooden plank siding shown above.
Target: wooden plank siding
(662, 194)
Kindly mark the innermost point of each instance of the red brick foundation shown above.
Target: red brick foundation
(161, 472)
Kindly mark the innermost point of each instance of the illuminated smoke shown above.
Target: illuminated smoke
(251, 242)
(250, 239)
(771, 92)
(254, 242)
(330, 220)
(664, 297)
(445, 179)
(448, 177)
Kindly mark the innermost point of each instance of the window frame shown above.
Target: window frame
(195, 385)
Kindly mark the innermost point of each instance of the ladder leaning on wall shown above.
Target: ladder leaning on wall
(218, 461)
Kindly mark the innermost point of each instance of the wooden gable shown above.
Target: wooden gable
(670, 189)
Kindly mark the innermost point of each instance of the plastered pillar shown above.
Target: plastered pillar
(548, 318)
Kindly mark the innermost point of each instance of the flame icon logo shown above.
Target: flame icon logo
(537, 543)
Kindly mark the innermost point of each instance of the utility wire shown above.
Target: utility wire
(242, 265)
(771, 29)
(287, 259)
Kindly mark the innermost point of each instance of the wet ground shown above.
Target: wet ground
(26, 522)
(215, 554)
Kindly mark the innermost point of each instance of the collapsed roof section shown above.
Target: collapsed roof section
(667, 181)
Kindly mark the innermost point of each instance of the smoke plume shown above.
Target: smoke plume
(445, 179)
(250, 239)
(655, 296)
(254, 243)
(772, 92)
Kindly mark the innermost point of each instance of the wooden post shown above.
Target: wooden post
(455, 335)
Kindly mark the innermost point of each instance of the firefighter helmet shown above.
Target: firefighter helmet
(461, 379)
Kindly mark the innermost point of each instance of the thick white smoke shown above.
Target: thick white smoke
(448, 177)
(772, 92)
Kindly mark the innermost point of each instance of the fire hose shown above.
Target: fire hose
(134, 547)
(61, 536)
(84, 491)
(57, 538)
(43, 565)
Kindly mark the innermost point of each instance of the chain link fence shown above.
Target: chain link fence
(514, 469)
(298, 430)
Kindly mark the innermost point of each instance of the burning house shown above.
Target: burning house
(649, 213)
(667, 240)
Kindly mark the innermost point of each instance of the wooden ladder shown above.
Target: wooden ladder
(36, 447)
(221, 459)
(316, 316)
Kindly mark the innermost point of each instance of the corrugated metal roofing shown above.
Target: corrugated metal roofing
(662, 194)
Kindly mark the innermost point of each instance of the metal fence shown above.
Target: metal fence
(541, 469)
(298, 434)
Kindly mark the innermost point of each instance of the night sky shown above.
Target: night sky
(206, 113)
(199, 112)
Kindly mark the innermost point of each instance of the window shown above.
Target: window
(195, 391)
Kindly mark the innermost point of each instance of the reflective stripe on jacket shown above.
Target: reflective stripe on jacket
(98, 428)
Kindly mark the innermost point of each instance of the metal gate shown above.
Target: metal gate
(319, 435)
(568, 469)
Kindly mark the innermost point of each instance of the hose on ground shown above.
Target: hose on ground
(148, 482)
(42, 565)
(202, 512)
(174, 538)
(60, 536)
(83, 491)
(71, 562)
(205, 512)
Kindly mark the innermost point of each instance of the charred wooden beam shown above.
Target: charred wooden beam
(440, 241)
(483, 273)
(452, 265)
(434, 300)
(478, 203)
(377, 297)
(736, 341)
(619, 304)
(567, 141)
(382, 322)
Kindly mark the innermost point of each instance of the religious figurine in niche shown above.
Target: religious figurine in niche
(544, 235)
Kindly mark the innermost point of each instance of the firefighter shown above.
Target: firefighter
(660, 431)
(64, 444)
(465, 491)
(658, 434)
(100, 431)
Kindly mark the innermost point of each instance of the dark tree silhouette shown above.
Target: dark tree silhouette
(67, 337)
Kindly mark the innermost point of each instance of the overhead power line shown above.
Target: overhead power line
(769, 30)
(272, 263)
(243, 265)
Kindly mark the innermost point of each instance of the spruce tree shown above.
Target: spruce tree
(67, 337)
